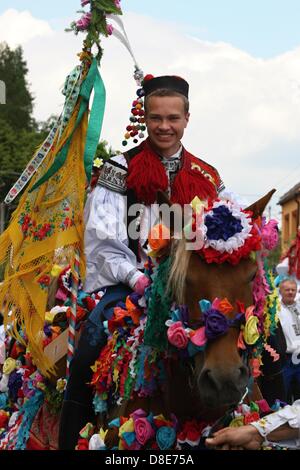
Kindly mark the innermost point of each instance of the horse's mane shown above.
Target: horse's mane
(179, 265)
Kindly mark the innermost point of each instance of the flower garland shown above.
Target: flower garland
(142, 431)
(94, 22)
(215, 324)
(126, 366)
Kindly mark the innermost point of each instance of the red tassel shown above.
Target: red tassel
(190, 183)
(146, 175)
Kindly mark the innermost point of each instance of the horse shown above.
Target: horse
(214, 378)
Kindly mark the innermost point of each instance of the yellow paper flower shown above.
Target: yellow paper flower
(198, 205)
(98, 162)
(237, 422)
(49, 317)
(61, 385)
(128, 426)
(250, 332)
(9, 365)
(56, 270)
(103, 433)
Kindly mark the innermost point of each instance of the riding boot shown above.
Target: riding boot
(74, 417)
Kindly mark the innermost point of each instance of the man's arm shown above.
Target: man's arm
(283, 425)
(109, 258)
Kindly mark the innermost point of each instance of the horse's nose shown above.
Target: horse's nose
(217, 377)
(223, 385)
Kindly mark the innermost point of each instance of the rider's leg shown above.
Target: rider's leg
(77, 407)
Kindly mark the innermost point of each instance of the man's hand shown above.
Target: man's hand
(141, 284)
(243, 437)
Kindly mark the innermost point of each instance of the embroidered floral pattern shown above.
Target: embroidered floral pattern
(62, 220)
(44, 281)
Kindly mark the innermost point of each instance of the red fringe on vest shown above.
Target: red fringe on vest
(147, 175)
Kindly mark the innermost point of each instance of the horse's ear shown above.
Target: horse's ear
(258, 207)
(162, 198)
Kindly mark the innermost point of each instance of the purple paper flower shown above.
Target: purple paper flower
(215, 323)
(15, 382)
(134, 297)
(84, 2)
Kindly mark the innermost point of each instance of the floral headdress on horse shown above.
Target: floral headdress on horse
(224, 232)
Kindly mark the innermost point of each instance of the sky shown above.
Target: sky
(241, 58)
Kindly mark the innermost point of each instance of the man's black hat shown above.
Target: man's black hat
(169, 82)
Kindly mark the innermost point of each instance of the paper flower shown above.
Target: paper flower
(143, 430)
(165, 437)
(215, 323)
(251, 417)
(250, 333)
(177, 335)
(159, 237)
(84, 22)
(269, 234)
(229, 233)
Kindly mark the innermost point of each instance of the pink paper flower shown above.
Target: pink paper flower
(199, 338)
(177, 335)
(118, 4)
(84, 22)
(84, 2)
(109, 28)
(143, 430)
(269, 234)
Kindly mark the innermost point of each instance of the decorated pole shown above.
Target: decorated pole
(72, 320)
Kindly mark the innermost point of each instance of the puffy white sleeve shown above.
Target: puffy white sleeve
(290, 415)
(108, 257)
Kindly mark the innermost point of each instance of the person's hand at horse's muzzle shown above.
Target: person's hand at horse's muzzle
(235, 438)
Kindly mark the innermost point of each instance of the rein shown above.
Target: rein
(225, 420)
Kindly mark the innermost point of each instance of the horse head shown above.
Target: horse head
(215, 281)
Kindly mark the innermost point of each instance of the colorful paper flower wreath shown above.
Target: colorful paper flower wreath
(221, 231)
(229, 233)
(215, 324)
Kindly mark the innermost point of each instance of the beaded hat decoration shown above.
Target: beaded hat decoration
(136, 126)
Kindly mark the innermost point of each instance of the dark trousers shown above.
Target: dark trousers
(291, 377)
(77, 407)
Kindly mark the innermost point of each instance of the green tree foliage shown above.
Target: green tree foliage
(20, 135)
(16, 149)
(19, 101)
(103, 151)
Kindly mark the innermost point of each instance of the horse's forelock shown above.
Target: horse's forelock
(179, 267)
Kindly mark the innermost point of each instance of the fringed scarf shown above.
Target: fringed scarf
(147, 176)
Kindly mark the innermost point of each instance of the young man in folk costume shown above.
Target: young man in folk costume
(115, 258)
